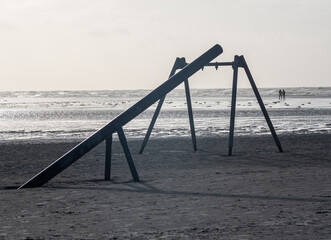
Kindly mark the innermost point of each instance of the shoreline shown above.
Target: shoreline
(258, 193)
(140, 138)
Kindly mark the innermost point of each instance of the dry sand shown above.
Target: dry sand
(258, 193)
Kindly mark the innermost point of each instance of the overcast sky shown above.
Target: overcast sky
(118, 44)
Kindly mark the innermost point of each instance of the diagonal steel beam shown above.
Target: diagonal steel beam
(89, 143)
(259, 99)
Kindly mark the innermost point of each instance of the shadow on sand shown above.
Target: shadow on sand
(143, 187)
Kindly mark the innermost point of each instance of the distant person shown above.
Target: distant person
(280, 94)
(283, 93)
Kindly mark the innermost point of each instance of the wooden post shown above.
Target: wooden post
(127, 153)
(108, 141)
(259, 99)
(233, 103)
(190, 114)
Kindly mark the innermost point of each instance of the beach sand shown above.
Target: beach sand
(258, 193)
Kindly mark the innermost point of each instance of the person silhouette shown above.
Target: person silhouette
(280, 94)
(283, 93)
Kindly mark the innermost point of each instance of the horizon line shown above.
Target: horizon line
(148, 89)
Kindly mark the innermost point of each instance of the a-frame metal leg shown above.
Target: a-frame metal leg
(151, 125)
(179, 63)
(190, 114)
(233, 102)
(127, 153)
(108, 141)
(259, 99)
(158, 109)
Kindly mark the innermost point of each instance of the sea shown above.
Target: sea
(75, 115)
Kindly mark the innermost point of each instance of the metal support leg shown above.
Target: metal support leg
(151, 125)
(109, 141)
(259, 99)
(233, 103)
(179, 63)
(190, 114)
(127, 153)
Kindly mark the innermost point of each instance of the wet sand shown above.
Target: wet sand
(258, 193)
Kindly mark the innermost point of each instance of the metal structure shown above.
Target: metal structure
(116, 125)
(239, 61)
(179, 64)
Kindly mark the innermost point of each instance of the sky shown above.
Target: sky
(122, 44)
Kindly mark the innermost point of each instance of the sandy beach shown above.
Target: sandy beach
(258, 193)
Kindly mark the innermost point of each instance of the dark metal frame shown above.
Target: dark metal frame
(239, 61)
(116, 125)
(179, 64)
